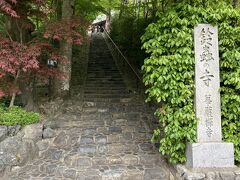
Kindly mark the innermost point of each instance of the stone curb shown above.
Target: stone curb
(184, 173)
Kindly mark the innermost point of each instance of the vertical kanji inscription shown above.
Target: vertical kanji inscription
(207, 83)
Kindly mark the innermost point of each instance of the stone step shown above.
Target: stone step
(103, 109)
(103, 74)
(105, 85)
(105, 77)
(103, 88)
(102, 100)
(105, 92)
(105, 81)
(101, 69)
(109, 100)
(122, 103)
(105, 96)
(104, 67)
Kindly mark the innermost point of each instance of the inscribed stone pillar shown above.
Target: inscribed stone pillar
(209, 151)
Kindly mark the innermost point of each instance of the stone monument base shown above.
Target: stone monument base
(210, 155)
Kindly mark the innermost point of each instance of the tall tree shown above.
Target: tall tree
(63, 87)
(235, 3)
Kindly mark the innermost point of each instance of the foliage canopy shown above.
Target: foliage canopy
(169, 73)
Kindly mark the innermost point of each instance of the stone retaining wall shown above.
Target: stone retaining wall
(23, 147)
(17, 150)
(183, 173)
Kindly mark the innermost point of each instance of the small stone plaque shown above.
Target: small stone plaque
(207, 83)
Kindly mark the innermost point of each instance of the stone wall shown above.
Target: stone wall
(18, 147)
(183, 173)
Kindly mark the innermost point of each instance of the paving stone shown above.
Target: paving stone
(119, 122)
(89, 131)
(103, 110)
(116, 148)
(126, 136)
(130, 159)
(99, 161)
(102, 149)
(86, 140)
(103, 130)
(114, 159)
(133, 174)
(149, 159)
(59, 171)
(116, 129)
(42, 145)
(89, 104)
(82, 163)
(54, 154)
(88, 149)
(68, 160)
(70, 173)
(100, 139)
(156, 173)
(88, 178)
(50, 169)
(131, 147)
(112, 175)
(61, 140)
(48, 133)
(112, 138)
(146, 146)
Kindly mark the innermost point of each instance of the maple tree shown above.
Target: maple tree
(6, 6)
(18, 60)
(57, 30)
(21, 55)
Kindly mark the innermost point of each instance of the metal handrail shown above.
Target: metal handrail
(135, 72)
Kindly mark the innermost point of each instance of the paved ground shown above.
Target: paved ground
(106, 137)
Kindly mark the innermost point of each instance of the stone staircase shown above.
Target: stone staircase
(102, 136)
(104, 82)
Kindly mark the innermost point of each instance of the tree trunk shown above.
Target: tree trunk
(154, 8)
(27, 96)
(62, 87)
(136, 7)
(144, 8)
(108, 20)
(14, 93)
(122, 6)
(235, 3)
(17, 32)
(139, 8)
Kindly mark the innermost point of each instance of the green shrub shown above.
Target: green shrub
(169, 73)
(126, 32)
(17, 116)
